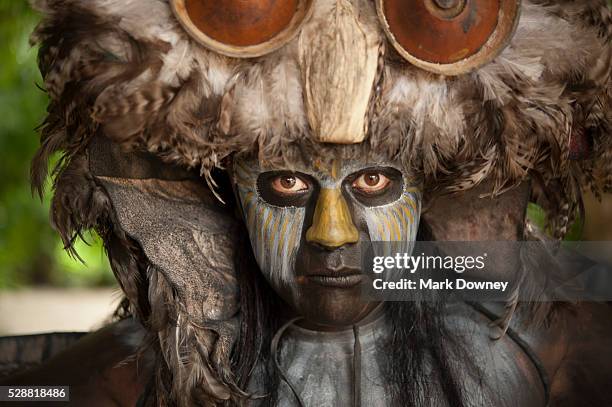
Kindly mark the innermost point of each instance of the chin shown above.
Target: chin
(339, 308)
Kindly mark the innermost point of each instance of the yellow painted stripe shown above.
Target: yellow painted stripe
(251, 212)
(407, 212)
(381, 230)
(273, 231)
(267, 220)
(399, 220)
(397, 232)
(294, 232)
(257, 222)
(412, 202)
(281, 238)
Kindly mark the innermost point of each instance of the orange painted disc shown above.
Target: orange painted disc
(241, 22)
(242, 28)
(443, 33)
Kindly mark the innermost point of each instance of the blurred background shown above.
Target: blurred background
(41, 287)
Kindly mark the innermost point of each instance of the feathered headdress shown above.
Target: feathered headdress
(131, 71)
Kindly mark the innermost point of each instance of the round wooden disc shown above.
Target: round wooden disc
(449, 36)
(242, 28)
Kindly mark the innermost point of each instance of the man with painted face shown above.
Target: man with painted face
(306, 226)
(235, 156)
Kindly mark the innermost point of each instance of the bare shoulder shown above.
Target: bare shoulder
(101, 368)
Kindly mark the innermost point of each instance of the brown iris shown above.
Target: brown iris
(372, 179)
(288, 182)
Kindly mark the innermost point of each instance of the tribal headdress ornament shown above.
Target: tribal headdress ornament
(149, 99)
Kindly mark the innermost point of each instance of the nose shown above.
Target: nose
(332, 224)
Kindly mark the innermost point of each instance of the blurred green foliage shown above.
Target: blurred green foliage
(537, 215)
(30, 251)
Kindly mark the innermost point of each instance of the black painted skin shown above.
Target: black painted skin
(326, 305)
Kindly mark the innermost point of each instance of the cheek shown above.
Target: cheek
(397, 222)
(275, 235)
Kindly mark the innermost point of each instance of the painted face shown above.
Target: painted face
(306, 226)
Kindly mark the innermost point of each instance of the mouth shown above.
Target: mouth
(341, 278)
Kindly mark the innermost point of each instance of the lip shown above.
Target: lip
(341, 278)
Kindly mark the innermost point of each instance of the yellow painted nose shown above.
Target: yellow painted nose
(332, 225)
